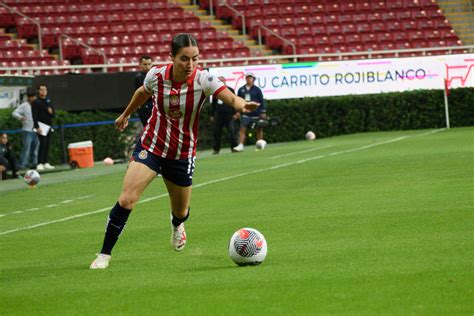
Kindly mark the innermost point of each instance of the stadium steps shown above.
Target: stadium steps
(463, 24)
(12, 36)
(461, 18)
(455, 5)
(221, 25)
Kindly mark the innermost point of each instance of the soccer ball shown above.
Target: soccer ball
(247, 247)
(261, 144)
(310, 135)
(31, 177)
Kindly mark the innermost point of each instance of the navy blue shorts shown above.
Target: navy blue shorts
(179, 172)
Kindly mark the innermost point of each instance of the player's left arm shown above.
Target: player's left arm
(236, 102)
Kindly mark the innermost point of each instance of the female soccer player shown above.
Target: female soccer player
(168, 143)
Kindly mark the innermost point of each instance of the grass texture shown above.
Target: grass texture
(364, 224)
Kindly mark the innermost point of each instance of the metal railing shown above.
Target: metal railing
(260, 42)
(38, 25)
(245, 61)
(231, 8)
(61, 53)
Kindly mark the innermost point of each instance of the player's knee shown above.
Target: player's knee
(128, 200)
(181, 212)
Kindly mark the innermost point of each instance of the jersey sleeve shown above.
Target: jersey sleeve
(211, 84)
(150, 80)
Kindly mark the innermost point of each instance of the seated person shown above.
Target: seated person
(7, 158)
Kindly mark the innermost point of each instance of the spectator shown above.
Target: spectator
(43, 112)
(223, 115)
(144, 112)
(250, 92)
(7, 158)
(29, 152)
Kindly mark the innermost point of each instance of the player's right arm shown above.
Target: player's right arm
(139, 97)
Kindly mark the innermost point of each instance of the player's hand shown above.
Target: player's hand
(121, 122)
(211, 119)
(39, 131)
(250, 106)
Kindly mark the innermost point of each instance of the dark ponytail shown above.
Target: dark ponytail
(182, 40)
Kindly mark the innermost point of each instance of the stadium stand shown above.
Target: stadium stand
(343, 26)
(119, 31)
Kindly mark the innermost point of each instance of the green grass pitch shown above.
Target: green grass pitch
(367, 224)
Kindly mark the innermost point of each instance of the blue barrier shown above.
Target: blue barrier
(14, 131)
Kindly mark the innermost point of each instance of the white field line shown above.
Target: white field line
(300, 152)
(228, 178)
(33, 209)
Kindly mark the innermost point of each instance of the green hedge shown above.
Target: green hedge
(330, 116)
(107, 141)
(327, 116)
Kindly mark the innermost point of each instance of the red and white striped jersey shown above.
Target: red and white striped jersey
(172, 129)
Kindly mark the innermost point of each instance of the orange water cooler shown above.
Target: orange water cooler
(81, 154)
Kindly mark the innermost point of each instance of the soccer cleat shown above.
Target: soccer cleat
(239, 148)
(101, 262)
(178, 237)
(48, 166)
(40, 167)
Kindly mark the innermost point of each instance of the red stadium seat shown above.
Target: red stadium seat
(318, 29)
(302, 10)
(363, 7)
(285, 22)
(301, 20)
(130, 6)
(333, 29)
(114, 18)
(368, 38)
(303, 30)
(152, 39)
(286, 11)
(393, 26)
(331, 19)
(118, 29)
(139, 39)
(360, 17)
(379, 6)
(349, 28)
(348, 7)
(363, 27)
(400, 37)
(384, 37)
(305, 41)
(337, 39)
(353, 38)
(288, 32)
(144, 16)
(345, 18)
